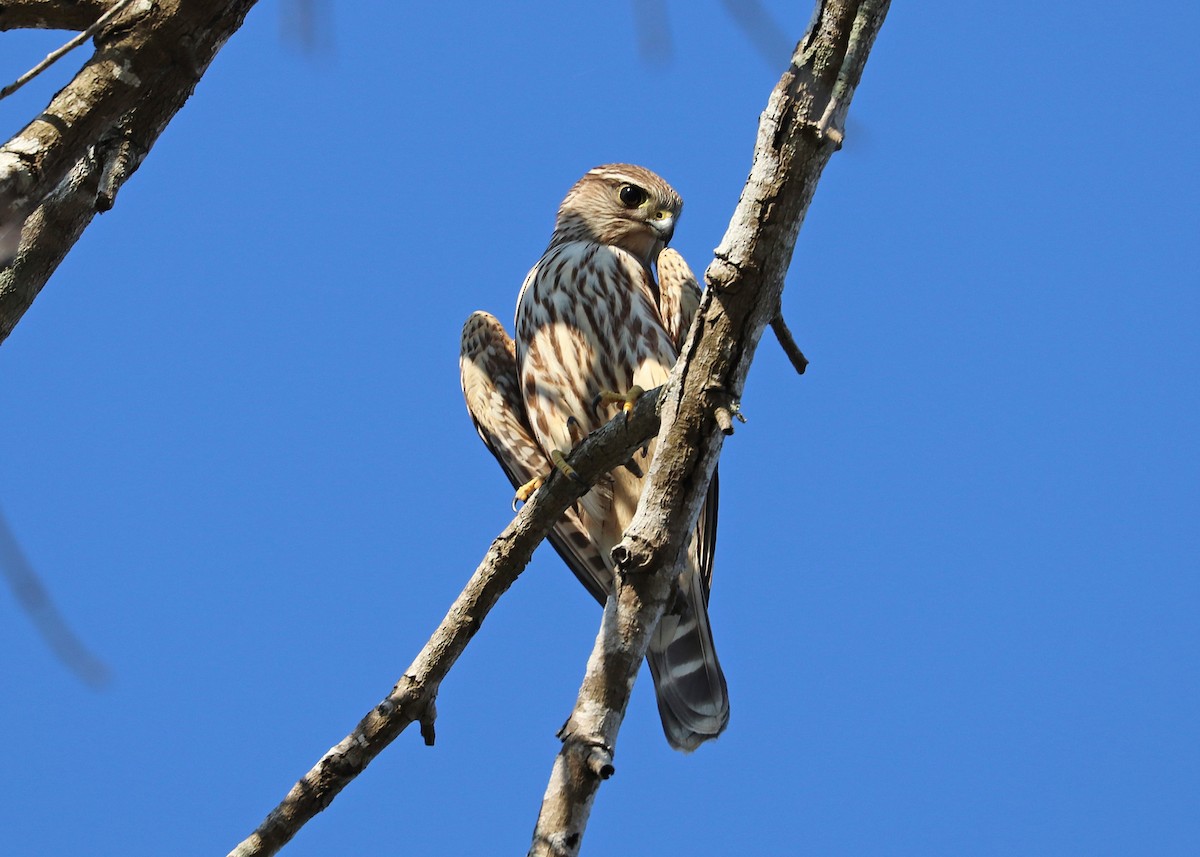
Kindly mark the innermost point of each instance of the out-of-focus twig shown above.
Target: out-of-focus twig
(35, 601)
(653, 28)
(306, 23)
(765, 34)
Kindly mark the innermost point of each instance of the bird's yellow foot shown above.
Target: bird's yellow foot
(625, 400)
(559, 459)
(560, 463)
(526, 491)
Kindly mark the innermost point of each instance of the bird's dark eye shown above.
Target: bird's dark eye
(631, 195)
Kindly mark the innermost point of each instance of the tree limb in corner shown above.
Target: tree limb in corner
(50, 14)
(68, 163)
(798, 132)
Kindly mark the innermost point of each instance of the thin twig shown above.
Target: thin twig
(788, 343)
(55, 56)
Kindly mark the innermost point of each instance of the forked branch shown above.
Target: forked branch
(413, 696)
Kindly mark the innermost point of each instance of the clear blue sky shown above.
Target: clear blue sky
(957, 591)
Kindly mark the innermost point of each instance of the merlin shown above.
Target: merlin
(594, 328)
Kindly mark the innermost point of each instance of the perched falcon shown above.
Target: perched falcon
(592, 324)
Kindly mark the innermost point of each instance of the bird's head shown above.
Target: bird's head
(621, 205)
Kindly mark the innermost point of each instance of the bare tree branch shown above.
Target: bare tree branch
(148, 61)
(745, 282)
(50, 14)
(413, 696)
(55, 55)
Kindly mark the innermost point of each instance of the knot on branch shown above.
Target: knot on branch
(600, 761)
(120, 19)
(427, 718)
(419, 701)
(121, 156)
(630, 555)
(725, 416)
(722, 274)
(726, 407)
(595, 754)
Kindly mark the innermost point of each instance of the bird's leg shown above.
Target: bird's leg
(625, 400)
(524, 492)
(559, 459)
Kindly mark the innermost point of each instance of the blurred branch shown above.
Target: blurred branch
(35, 600)
(653, 28)
(50, 14)
(768, 38)
(95, 132)
(745, 282)
(56, 55)
(413, 697)
(306, 23)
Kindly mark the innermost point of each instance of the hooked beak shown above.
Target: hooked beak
(664, 227)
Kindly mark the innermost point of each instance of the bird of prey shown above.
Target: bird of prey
(595, 327)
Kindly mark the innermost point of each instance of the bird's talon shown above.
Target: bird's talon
(526, 491)
(625, 400)
(560, 464)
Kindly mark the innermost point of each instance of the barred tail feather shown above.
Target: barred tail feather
(693, 700)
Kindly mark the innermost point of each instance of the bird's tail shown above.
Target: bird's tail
(693, 700)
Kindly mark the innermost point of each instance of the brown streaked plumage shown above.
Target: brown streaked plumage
(591, 316)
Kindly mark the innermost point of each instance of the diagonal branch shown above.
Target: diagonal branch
(50, 14)
(413, 696)
(148, 61)
(799, 131)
